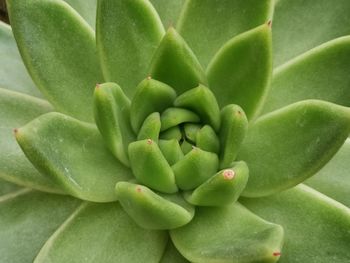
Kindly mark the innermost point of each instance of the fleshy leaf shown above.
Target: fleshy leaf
(86, 8)
(222, 189)
(186, 147)
(150, 128)
(7, 187)
(287, 146)
(234, 125)
(16, 110)
(151, 96)
(228, 234)
(316, 227)
(102, 233)
(73, 154)
(207, 139)
(27, 220)
(151, 210)
(150, 166)
(195, 168)
(207, 25)
(175, 64)
(112, 116)
(168, 10)
(13, 74)
(190, 130)
(172, 133)
(333, 180)
(171, 150)
(172, 255)
(232, 76)
(128, 33)
(174, 116)
(295, 28)
(201, 101)
(64, 66)
(321, 73)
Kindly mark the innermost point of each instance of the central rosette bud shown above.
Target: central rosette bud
(181, 150)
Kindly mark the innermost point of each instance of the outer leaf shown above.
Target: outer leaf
(321, 73)
(168, 10)
(86, 8)
(7, 187)
(334, 179)
(13, 74)
(232, 76)
(73, 154)
(175, 64)
(228, 234)
(172, 255)
(16, 110)
(64, 65)
(128, 33)
(102, 233)
(112, 116)
(286, 147)
(295, 28)
(27, 219)
(201, 21)
(151, 210)
(316, 227)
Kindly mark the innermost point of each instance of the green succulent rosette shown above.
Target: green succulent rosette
(175, 131)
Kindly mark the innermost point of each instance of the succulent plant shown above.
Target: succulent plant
(140, 144)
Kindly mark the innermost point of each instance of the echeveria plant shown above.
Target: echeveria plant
(174, 133)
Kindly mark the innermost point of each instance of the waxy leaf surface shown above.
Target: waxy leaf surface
(27, 220)
(206, 25)
(73, 154)
(316, 227)
(168, 10)
(228, 234)
(102, 233)
(287, 146)
(321, 73)
(300, 25)
(63, 64)
(240, 71)
(333, 180)
(86, 8)
(128, 33)
(13, 74)
(175, 64)
(16, 110)
(151, 210)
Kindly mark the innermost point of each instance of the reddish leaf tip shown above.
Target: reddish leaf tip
(97, 86)
(276, 254)
(138, 189)
(228, 174)
(269, 23)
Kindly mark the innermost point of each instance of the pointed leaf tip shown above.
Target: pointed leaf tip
(231, 76)
(175, 64)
